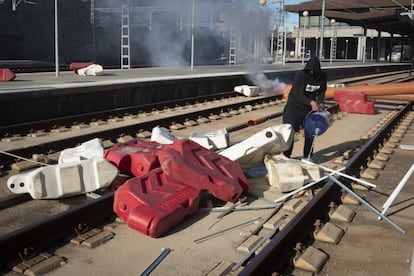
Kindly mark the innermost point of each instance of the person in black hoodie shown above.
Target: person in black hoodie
(306, 95)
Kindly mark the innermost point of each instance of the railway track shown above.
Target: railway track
(58, 133)
(274, 258)
(45, 232)
(380, 78)
(54, 135)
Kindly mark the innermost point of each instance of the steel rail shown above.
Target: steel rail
(53, 230)
(106, 114)
(114, 132)
(375, 142)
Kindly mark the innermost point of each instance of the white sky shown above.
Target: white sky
(292, 18)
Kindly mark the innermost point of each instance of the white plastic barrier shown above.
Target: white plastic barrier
(64, 180)
(91, 70)
(163, 136)
(289, 174)
(251, 152)
(248, 90)
(213, 140)
(92, 149)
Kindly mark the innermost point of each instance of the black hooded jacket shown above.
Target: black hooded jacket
(309, 84)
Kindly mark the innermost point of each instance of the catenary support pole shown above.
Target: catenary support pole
(56, 41)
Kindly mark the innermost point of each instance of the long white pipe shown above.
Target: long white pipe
(366, 183)
(283, 198)
(397, 189)
(407, 147)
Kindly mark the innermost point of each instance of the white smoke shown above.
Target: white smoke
(268, 87)
(165, 49)
(162, 30)
(253, 25)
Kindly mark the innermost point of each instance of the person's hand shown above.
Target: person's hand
(321, 107)
(314, 106)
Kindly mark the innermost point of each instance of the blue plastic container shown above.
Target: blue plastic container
(316, 123)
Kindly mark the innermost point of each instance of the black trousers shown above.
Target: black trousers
(295, 115)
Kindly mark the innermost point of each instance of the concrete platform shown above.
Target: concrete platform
(69, 94)
(68, 79)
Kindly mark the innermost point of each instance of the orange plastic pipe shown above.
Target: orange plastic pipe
(369, 90)
(375, 90)
(397, 97)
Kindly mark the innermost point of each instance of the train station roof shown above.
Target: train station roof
(392, 16)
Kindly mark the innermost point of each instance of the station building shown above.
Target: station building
(352, 29)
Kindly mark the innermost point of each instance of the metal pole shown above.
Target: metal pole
(282, 14)
(399, 229)
(406, 147)
(157, 261)
(364, 47)
(239, 208)
(56, 41)
(303, 50)
(192, 36)
(332, 40)
(284, 45)
(283, 198)
(304, 41)
(93, 29)
(322, 30)
(227, 230)
(271, 43)
(346, 49)
(331, 50)
(366, 183)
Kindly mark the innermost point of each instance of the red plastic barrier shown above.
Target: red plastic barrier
(194, 165)
(354, 102)
(342, 95)
(75, 66)
(6, 74)
(357, 107)
(153, 203)
(135, 157)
